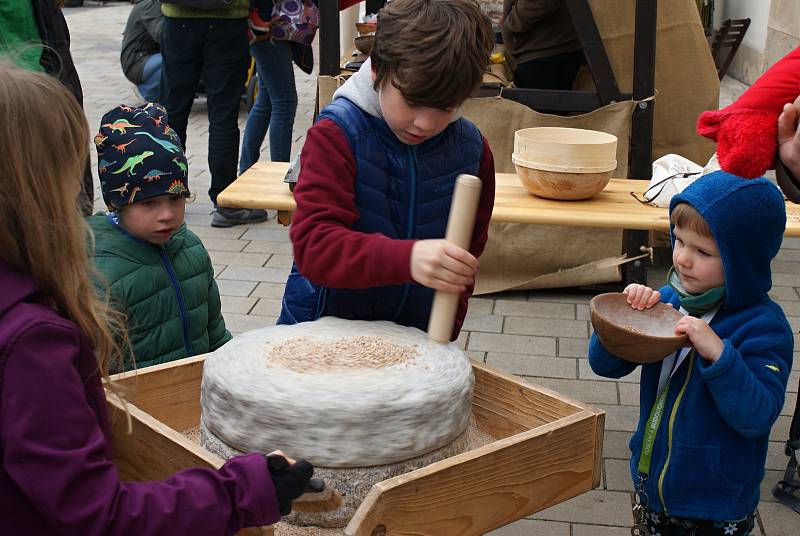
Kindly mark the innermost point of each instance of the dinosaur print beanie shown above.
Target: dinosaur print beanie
(139, 156)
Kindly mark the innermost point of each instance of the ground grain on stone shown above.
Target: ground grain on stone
(303, 354)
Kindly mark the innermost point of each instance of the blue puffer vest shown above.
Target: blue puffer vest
(401, 191)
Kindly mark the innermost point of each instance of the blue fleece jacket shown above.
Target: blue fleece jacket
(711, 445)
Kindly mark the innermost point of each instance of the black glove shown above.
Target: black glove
(290, 481)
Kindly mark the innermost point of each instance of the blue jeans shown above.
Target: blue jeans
(151, 78)
(275, 104)
(217, 49)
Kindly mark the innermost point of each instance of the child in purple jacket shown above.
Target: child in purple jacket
(57, 475)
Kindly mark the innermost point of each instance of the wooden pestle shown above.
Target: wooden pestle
(460, 223)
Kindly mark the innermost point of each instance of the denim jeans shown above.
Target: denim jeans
(151, 78)
(275, 104)
(217, 49)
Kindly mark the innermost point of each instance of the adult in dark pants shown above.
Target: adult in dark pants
(541, 44)
(212, 43)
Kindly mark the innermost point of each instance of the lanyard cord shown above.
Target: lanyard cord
(651, 429)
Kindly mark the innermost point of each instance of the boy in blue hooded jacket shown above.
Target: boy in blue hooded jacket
(706, 412)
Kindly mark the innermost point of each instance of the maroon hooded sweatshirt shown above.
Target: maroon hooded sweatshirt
(57, 475)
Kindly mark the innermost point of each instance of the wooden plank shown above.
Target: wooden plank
(262, 186)
(503, 405)
(467, 494)
(154, 451)
(478, 491)
(170, 392)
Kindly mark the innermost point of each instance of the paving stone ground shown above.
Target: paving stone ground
(540, 336)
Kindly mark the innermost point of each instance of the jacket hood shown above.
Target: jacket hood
(359, 89)
(747, 218)
(15, 287)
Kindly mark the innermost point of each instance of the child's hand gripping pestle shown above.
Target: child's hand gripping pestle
(460, 224)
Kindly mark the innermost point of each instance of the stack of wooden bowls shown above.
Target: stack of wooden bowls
(366, 36)
(564, 163)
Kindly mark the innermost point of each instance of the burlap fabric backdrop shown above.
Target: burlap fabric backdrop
(686, 78)
(521, 256)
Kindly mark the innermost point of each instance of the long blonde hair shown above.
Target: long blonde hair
(44, 142)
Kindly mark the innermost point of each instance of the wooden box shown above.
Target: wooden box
(547, 449)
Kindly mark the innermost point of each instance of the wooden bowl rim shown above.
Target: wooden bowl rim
(367, 27)
(578, 136)
(530, 164)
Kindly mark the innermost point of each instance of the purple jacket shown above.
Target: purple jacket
(57, 475)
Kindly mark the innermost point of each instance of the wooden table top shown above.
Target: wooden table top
(262, 186)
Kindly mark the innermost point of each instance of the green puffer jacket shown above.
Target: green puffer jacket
(168, 293)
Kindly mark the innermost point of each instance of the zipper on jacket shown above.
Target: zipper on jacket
(181, 304)
(672, 415)
(412, 201)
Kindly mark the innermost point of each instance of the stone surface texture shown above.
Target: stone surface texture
(353, 417)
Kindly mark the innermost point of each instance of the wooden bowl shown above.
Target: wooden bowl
(640, 336)
(564, 163)
(560, 185)
(364, 43)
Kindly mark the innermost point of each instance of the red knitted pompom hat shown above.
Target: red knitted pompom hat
(746, 131)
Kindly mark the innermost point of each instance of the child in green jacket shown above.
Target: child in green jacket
(157, 270)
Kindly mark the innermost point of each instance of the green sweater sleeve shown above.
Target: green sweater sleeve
(218, 334)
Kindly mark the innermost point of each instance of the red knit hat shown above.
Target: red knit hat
(746, 131)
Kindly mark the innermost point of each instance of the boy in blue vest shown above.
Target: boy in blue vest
(706, 412)
(379, 168)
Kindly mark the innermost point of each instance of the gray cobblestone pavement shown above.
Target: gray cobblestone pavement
(543, 335)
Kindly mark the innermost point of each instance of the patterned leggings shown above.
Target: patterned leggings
(661, 525)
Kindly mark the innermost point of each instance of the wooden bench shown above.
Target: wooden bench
(262, 186)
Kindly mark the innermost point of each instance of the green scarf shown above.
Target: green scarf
(696, 304)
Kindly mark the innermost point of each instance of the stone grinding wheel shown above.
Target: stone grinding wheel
(354, 417)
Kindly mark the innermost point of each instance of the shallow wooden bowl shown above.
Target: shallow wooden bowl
(640, 336)
(573, 150)
(561, 185)
(364, 43)
(366, 27)
(564, 163)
